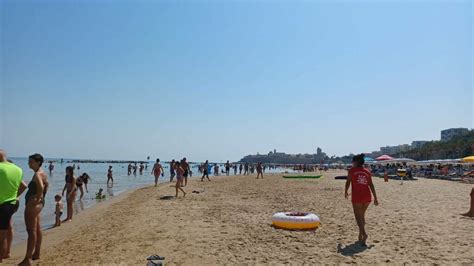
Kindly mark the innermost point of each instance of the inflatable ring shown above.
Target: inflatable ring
(296, 220)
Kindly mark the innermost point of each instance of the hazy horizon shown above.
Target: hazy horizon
(218, 81)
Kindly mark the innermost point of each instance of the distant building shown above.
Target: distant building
(450, 133)
(389, 150)
(418, 144)
(319, 151)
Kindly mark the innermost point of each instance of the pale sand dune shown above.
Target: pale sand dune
(229, 223)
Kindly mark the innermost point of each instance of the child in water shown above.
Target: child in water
(362, 186)
(99, 194)
(59, 209)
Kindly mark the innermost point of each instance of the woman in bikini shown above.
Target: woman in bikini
(34, 198)
(82, 181)
(110, 177)
(71, 189)
(362, 186)
(180, 178)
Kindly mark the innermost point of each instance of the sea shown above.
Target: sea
(98, 173)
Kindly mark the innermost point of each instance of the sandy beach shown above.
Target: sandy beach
(229, 222)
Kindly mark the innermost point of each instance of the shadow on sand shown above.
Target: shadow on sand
(352, 249)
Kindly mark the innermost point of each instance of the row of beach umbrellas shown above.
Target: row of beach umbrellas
(389, 159)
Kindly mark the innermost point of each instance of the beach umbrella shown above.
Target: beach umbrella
(384, 158)
(368, 159)
(469, 159)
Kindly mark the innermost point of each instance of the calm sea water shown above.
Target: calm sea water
(98, 174)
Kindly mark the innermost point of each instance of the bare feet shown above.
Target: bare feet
(364, 240)
(468, 214)
(25, 262)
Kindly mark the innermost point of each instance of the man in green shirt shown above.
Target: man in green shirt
(10, 185)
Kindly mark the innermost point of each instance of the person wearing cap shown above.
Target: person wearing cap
(11, 186)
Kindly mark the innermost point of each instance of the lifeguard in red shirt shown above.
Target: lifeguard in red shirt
(362, 188)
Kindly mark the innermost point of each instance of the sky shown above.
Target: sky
(219, 80)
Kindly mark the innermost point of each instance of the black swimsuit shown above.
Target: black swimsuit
(32, 191)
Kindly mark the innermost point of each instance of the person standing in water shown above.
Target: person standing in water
(11, 186)
(81, 181)
(71, 191)
(362, 186)
(205, 171)
(259, 170)
(51, 168)
(141, 168)
(110, 176)
(235, 169)
(129, 168)
(157, 171)
(179, 179)
(34, 198)
(135, 169)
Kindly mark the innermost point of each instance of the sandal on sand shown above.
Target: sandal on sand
(153, 258)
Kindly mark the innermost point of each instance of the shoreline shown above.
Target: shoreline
(229, 222)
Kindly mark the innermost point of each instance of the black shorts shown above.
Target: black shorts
(186, 173)
(6, 213)
(205, 172)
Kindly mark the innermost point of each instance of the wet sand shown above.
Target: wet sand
(230, 223)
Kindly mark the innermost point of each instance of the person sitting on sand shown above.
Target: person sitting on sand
(470, 213)
(157, 171)
(362, 185)
(180, 178)
(59, 209)
(259, 170)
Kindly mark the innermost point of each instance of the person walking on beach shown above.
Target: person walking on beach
(216, 169)
(240, 169)
(362, 186)
(71, 191)
(227, 168)
(157, 171)
(246, 169)
(110, 176)
(470, 213)
(58, 210)
(11, 186)
(187, 170)
(179, 179)
(235, 169)
(205, 171)
(172, 170)
(34, 198)
(259, 170)
(81, 181)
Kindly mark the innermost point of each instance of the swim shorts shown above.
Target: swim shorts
(6, 213)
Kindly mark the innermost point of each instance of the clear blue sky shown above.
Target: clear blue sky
(219, 80)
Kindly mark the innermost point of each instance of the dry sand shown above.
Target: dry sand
(229, 223)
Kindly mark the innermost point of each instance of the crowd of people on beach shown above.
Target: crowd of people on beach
(12, 187)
